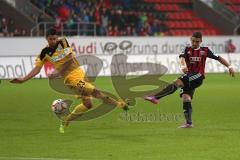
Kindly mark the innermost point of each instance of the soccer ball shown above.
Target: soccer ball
(59, 106)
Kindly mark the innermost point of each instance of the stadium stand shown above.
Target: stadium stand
(8, 27)
(233, 5)
(122, 17)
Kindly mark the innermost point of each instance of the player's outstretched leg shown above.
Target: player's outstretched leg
(187, 110)
(108, 100)
(170, 89)
(78, 111)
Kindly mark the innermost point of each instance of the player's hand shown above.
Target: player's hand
(231, 72)
(184, 69)
(17, 80)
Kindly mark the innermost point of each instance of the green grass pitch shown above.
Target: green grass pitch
(29, 130)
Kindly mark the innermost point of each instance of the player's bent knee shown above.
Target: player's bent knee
(88, 104)
(179, 83)
(96, 93)
(186, 98)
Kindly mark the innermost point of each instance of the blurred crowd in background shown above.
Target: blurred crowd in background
(112, 19)
(8, 28)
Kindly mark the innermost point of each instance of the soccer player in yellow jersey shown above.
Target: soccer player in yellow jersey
(60, 54)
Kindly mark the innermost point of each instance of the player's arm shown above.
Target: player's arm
(182, 61)
(183, 65)
(222, 61)
(30, 75)
(227, 64)
(38, 66)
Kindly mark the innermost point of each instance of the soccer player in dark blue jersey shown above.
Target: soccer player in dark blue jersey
(192, 64)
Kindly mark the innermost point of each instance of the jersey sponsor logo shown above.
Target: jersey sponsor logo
(59, 48)
(62, 53)
(58, 57)
(48, 68)
(195, 59)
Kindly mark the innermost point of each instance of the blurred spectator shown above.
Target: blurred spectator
(5, 29)
(40, 20)
(126, 4)
(143, 18)
(59, 23)
(142, 32)
(147, 28)
(162, 28)
(110, 31)
(230, 47)
(97, 18)
(155, 27)
(112, 17)
(134, 32)
(1, 25)
(64, 12)
(8, 27)
(116, 31)
(17, 32)
(24, 33)
(104, 21)
(120, 20)
(11, 27)
(129, 31)
(70, 26)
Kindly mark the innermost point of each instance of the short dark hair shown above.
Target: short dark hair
(51, 31)
(197, 35)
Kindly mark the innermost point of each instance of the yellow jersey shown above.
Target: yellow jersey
(61, 56)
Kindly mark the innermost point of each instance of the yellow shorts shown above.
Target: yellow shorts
(76, 80)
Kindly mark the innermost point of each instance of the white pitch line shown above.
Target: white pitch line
(35, 158)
